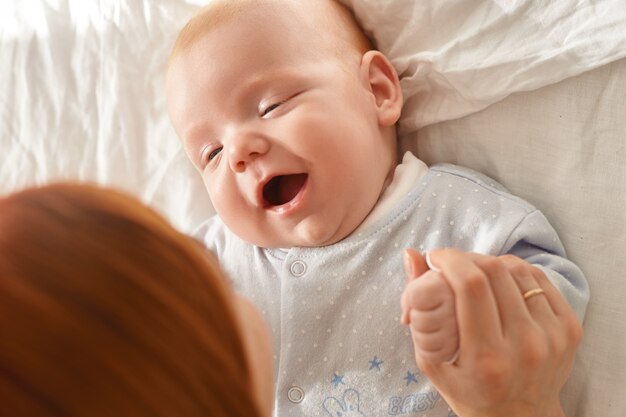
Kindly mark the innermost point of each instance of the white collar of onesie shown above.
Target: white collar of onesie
(406, 175)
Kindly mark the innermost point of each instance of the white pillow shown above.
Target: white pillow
(455, 57)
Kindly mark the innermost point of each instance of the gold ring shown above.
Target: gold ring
(531, 293)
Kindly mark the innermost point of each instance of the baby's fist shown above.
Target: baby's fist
(428, 308)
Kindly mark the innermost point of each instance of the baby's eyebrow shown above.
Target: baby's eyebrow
(196, 135)
(250, 86)
(259, 80)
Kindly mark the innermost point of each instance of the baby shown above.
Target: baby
(289, 115)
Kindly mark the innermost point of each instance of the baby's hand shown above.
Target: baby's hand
(428, 308)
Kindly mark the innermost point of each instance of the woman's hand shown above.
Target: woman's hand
(515, 353)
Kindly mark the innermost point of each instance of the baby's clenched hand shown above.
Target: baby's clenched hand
(429, 310)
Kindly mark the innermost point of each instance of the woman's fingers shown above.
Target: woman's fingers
(477, 310)
(566, 330)
(510, 304)
(532, 289)
(556, 300)
(556, 322)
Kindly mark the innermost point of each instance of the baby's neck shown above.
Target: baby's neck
(403, 178)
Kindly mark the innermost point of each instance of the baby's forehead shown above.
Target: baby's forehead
(327, 22)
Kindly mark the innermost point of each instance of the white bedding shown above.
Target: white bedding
(563, 147)
(83, 98)
(457, 57)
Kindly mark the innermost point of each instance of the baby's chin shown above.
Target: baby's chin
(303, 235)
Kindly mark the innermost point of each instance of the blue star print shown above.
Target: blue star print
(410, 377)
(375, 363)
(337, 379)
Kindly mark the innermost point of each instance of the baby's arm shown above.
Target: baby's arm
(428, 307)
(536, 242)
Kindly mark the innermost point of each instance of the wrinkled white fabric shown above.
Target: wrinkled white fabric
(456, 57)
(83, 98)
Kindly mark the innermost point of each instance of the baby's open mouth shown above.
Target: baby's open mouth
(282, 189)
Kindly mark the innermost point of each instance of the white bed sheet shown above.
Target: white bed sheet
(82, 98)
(563, 147)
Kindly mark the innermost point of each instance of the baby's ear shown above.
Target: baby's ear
(382, 80)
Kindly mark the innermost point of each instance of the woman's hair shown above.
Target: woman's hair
(107, 310)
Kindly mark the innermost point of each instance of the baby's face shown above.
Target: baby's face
(286, 138)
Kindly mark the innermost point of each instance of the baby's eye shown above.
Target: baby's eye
(271, 108)
(214, 153)
(209, 154)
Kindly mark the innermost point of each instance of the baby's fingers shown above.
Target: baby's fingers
(414, 264)
(433, 318)
(435, 334)
(427, 293)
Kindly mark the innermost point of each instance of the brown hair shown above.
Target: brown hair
(343, 27)
(105, 309)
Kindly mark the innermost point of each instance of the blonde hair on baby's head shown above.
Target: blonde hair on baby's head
(206, 19)
(339, 29)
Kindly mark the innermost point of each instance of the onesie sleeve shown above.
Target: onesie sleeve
(536, 241)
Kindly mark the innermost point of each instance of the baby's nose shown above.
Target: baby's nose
(245, 149)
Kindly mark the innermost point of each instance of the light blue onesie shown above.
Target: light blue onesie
(334, 311)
